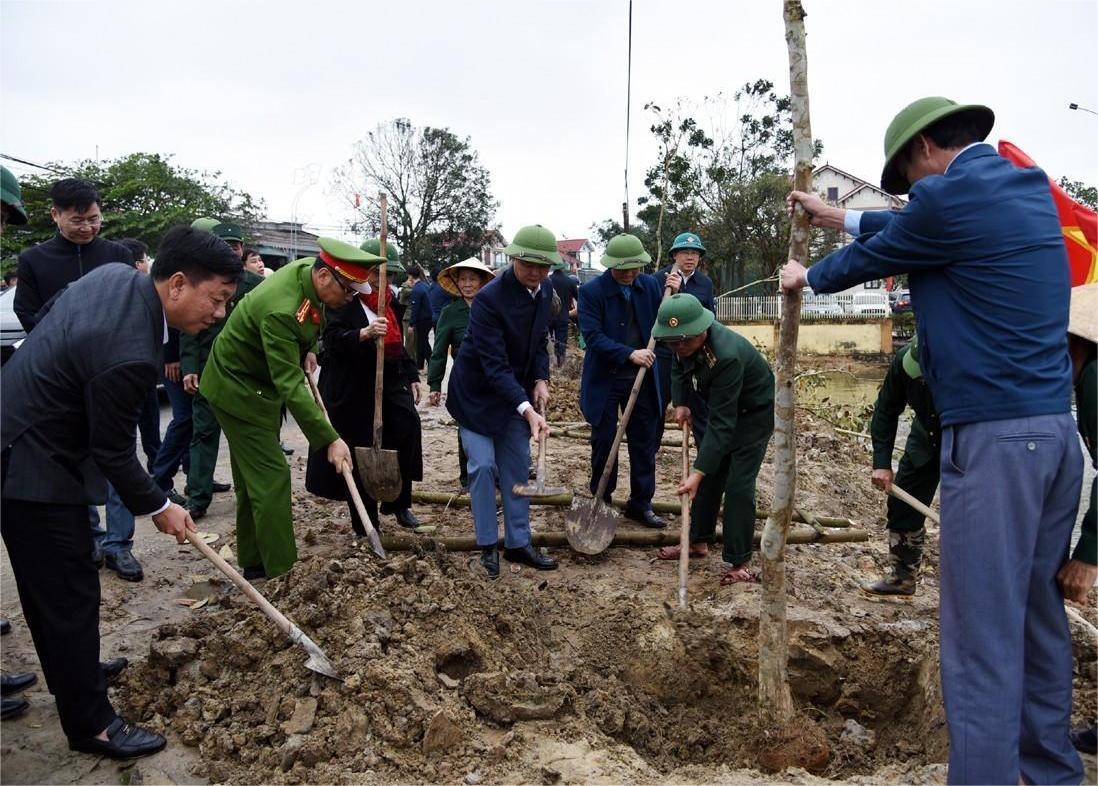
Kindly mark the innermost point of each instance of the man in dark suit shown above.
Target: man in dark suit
(499, 386)
(419, 319)
(982, 245)
(72, 396)
(616, 314)
(567, 288)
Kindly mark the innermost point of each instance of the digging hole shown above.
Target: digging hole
(459, 661)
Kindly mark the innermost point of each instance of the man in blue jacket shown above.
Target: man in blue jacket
(616, 314)
(981, 243)
(499, 386)
(419, 320)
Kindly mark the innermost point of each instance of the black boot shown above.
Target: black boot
(489, 558)
(905, 555)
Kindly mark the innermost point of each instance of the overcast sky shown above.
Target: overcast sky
(267, 90)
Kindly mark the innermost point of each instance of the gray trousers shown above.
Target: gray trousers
(1010, 490)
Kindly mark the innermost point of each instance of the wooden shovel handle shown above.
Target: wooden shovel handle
(684, 515)
(903, 496)
(382, 295)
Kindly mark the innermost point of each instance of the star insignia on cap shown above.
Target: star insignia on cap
(673, 322)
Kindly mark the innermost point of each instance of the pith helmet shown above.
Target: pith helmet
(351, 263)
(12, 196)
(373, 246)
(915, 118)
(911, 358)
(535, 244)
(447, 278)
(681, 316)
(205, 224)
(687, 240)
(625, 252)
(1083, 319)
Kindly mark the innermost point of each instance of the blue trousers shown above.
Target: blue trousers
(118, 536)
(175, 448)
(506, 458)
(1010, 490)
(643, 432)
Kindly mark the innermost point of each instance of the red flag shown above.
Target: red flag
(1079, 222)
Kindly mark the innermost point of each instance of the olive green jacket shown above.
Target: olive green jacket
(899, 391)
(1086, 405)
(450, 330)
(738, 386)
(255, 365)
(194, 350)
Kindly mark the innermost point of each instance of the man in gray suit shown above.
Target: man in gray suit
(72, 397)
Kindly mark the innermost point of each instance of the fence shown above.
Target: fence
(859, 306)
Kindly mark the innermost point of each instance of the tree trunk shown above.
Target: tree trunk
(774, 695)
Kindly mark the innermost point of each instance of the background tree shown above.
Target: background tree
(441, 206)
(143, 195)
(1080, 192)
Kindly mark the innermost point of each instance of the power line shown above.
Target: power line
(36, 166)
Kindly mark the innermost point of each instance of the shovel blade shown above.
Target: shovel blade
(379, 470)
(590, 526)
(317, 661)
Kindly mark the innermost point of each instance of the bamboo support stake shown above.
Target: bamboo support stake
(775, 697)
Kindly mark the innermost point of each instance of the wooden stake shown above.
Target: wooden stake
(774, 694)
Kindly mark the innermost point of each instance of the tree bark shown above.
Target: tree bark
(775, 698)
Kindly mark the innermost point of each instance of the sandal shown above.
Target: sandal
(739, 575)
(672, 552)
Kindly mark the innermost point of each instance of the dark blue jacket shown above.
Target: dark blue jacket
(419, 309)
(503, 353)
(602, 320)
(438, 298)
(984, 254)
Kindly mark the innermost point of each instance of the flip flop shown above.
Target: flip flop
(739, 575)
(672, 552)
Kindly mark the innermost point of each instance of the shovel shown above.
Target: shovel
(352, 489)
(317, 661)
(380, 469)
(538, 488)
(590, 525)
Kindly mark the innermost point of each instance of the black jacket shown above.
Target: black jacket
(46, 269)
(73, 392)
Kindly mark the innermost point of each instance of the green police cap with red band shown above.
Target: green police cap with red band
(353, 264)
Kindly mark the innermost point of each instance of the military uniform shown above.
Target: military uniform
(256, 366)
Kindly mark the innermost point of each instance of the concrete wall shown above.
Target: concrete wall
(824, 338)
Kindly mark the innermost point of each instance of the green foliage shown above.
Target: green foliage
(1080, 192)
(726, 179)
(143, 195)
(440, 203)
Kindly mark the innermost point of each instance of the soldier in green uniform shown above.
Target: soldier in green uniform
(736, 383)
(194, 351)
(256, 367)
(919, 471)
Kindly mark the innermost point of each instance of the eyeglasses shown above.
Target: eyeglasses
(77, 222)
(347, 290)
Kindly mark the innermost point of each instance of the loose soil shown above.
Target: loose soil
(588, 674)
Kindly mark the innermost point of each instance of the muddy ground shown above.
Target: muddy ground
(583, 675)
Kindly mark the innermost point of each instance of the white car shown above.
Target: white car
(813, 305)
(871, 303)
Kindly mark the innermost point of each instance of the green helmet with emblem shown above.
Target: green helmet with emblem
(680, 317)
(205, 224)
(392, 253)
(625, 252)
(536, 245)
(687, 240)
(12, 195)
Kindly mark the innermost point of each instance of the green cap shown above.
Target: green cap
(911, 358)
(535, 244)
(915, 118)
(12, 196)
(681, 316)
(351, 263)
(205, 224)
(373, 246)
(227, 231)
(625, 252)
(687, 240)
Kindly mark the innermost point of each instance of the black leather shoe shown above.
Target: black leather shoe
(13, 708)
(646, 517)
(176, 497)
(113, 667)
(489, 558)
(1085, 740)
(285, 450)
(196, 513)
(406, 518)
(97, 555)
(125, 564)
(528, 555)
(13, 683)
(126, 741)
(219, 487)
(5, 627)
(251, 574)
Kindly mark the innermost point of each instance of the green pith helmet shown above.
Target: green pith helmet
(205, 224)
(12, 196)
(916, 117)
(687, 240)
(535, 244)
(625, 252)
(392, 250)
(911, 358)
(680, 317)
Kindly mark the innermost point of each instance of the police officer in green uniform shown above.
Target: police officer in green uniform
(193, 354)
(256, 367)
(918, 473)
(736, 383)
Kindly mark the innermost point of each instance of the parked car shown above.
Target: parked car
(819, 305)
(11, 332)
(870, 303)
(902, 303)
